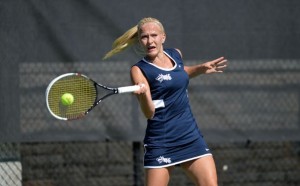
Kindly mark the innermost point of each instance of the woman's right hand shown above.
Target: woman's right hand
(142, 90)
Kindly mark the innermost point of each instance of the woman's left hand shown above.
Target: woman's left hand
(217, 65)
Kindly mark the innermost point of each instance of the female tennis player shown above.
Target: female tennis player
(172, 135)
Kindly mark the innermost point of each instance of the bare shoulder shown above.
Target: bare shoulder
(137, 76)
(136, 72)
(135, 69)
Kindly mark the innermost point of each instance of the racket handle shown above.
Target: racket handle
(128, 89)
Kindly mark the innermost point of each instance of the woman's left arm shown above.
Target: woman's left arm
(217, 65)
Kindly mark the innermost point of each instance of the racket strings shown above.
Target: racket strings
(83, 91)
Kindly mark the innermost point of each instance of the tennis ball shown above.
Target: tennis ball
(67, 99)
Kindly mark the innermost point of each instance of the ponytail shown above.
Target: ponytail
(128, 39)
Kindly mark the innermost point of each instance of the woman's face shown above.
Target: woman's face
(151, 38)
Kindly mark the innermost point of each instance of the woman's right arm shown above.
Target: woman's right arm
(143, 95)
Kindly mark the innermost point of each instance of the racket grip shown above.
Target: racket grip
(128, 89)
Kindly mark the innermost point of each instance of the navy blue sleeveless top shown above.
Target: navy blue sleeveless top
(173, 123)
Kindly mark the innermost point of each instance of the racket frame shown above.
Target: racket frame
(118, 90)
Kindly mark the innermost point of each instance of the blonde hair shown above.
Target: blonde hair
(130, 37)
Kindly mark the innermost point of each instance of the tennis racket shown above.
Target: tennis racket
(85, 92)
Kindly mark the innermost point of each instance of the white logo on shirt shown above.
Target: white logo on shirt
(162, 77)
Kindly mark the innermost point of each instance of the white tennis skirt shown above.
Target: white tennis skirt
(158, 157)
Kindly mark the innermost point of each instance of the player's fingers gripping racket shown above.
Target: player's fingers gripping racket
(71, 96)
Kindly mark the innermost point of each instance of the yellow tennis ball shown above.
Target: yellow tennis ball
(67, 99)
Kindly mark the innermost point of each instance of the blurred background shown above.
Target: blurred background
(249, 115)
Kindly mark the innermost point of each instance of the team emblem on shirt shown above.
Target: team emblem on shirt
(161, 77)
